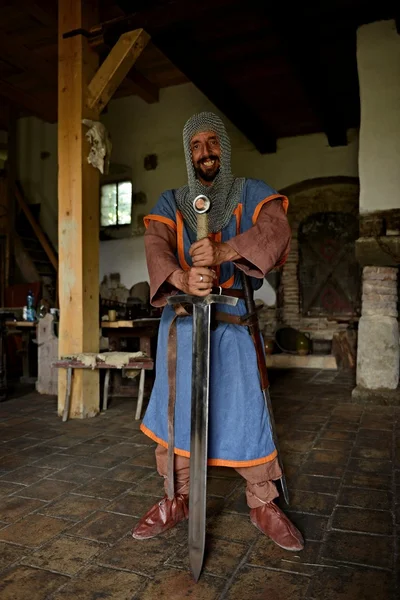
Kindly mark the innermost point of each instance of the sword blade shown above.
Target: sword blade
(199, 436)
(282, 479)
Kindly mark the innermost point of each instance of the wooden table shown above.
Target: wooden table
(144, 329)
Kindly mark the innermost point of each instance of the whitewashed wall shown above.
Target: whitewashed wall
(378, 58)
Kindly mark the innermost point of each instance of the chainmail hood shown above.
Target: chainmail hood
(225, 190)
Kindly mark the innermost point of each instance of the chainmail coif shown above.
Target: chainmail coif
(225, 190)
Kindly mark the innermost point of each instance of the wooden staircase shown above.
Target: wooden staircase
(34, 253)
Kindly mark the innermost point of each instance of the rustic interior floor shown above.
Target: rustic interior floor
(71, 492)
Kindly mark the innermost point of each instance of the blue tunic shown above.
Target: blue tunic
(239, 427)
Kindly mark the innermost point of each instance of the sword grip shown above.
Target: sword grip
(202, 226)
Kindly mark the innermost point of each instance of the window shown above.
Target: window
(116, 204)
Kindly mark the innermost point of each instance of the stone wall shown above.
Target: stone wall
(330, 194)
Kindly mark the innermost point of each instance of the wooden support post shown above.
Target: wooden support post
(78, 205)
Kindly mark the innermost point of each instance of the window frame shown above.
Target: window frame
(116, 183)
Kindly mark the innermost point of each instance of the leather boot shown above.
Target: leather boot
(271, 521)
(162, 516)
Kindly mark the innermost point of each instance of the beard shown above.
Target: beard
(205, 174)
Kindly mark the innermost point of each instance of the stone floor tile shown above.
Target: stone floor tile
(132, 504)
(33, 530)
(260, 584)
(375, 499)
(153, 486)
(296, 445)
(144, 557)
(324, 444)
(102, 527)
(25, 583)
(102, 441)
(45, 434)
(78, 473)
(73, 507)
(383, 422)
(28, 474)
(312, 502)
(107, 461)
(372, 435)
(124, 449)
(233, 527)
(237, 502)
(343, 436)
(146, 458)
(313, 527)
(316, 483)
(18, 444)
(265, 553)
(10, 554)
(221, 557)
(7, 488)
(349, 583)
(48, 489)
(358, 548)
(363, 520)
(83, 449)
(37, 452)
(375, 481)
(64, 555)
(362, 451)
(56, 461)
(103, 488)
(223, 487)
(175, 584)
(12, 508)
(10, 462)
(360, 465)
(100, 582)
(128, 473)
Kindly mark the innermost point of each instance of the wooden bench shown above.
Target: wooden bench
(137, 364)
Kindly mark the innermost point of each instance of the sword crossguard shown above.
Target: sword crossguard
(205, 300)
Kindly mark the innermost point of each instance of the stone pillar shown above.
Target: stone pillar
(377, 249)
(378, 334)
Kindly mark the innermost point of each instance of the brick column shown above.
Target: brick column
(378, 334)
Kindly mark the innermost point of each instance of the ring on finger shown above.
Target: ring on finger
(201, 277)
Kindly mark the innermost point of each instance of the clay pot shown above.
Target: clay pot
(269, 346)
(302, 344)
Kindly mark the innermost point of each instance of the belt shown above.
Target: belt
(220, 291)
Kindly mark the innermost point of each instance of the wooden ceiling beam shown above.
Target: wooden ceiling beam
(115, 67)
(44, 109)
(18, 55)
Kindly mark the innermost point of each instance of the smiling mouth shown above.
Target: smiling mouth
(208, 163)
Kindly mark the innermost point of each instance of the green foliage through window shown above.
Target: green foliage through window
(116, 204)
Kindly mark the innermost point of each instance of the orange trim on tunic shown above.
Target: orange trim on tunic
(212, 462)
(229, 283)
(179, 240)
(238, 214)
(160, 219)
(285, 203)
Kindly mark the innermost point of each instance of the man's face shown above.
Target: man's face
(206, 153)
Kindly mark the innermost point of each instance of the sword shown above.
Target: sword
(200, 401)
(262, 367)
